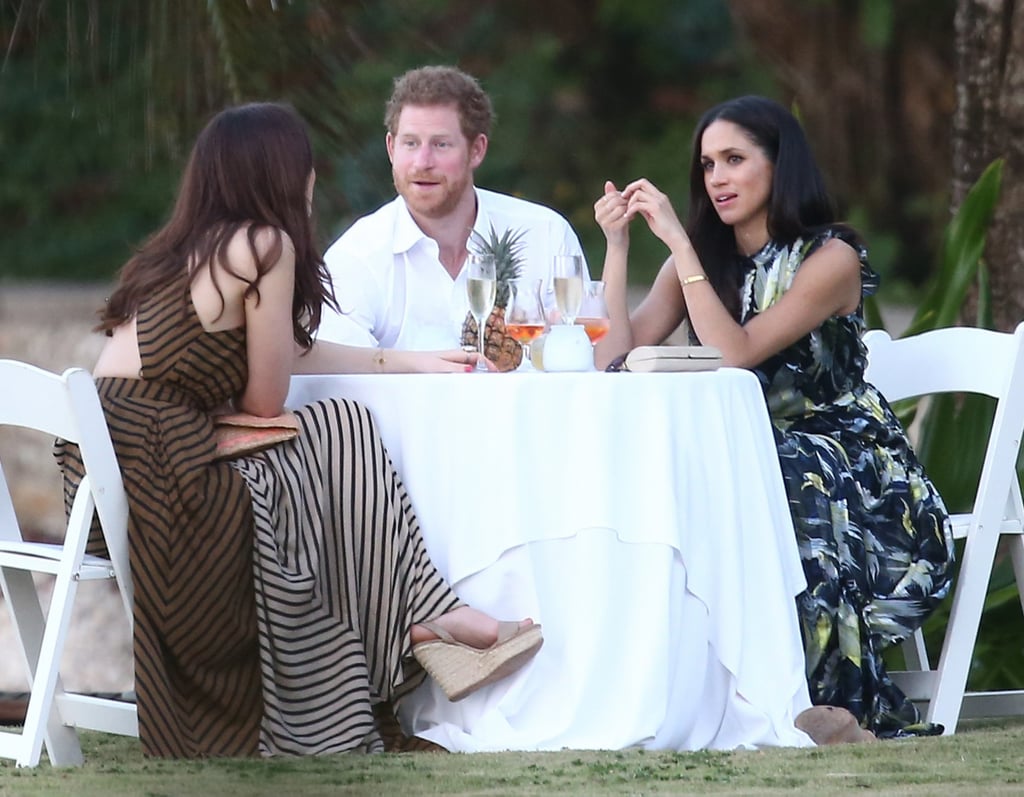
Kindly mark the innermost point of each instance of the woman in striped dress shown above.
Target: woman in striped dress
(279, 596)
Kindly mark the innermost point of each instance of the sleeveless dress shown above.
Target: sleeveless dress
(873, 534)
(273, 593)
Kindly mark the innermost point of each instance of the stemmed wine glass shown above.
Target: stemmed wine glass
(568, 274)
(481, 287)
(593, 314)
(524, 315)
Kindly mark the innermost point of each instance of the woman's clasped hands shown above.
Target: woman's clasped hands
(615, 209)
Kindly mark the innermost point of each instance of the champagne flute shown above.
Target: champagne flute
(481, 287)
(524, 315)
(568, 273)
(593, 313)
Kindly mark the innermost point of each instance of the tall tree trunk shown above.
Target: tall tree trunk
(875, 95)
(989, 124)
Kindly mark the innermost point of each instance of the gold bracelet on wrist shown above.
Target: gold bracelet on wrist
(379, 359)
(692, 279)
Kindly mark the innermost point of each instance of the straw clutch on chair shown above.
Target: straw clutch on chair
(673, 358)
(239, 434)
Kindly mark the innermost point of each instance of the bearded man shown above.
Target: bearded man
(399, 272)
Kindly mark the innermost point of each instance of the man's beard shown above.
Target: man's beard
(437, 207)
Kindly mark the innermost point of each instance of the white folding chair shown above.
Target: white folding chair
(68, 407)
(964, 360)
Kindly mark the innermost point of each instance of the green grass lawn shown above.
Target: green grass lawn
(982, 759)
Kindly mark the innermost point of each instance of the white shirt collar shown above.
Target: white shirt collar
(482, 225)
(408, 232)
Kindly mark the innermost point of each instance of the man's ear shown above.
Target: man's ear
(389, 142)
(477, 150)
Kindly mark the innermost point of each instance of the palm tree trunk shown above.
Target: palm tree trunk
(988, 124)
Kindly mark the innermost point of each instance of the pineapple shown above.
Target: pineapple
(505, 352)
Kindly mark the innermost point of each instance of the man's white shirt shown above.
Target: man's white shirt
(393, 290)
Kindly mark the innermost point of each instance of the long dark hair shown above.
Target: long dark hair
(797, 205)
(250, 166)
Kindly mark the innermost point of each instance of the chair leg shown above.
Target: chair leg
(962, 632)
(42, 641)
(915, 654)
(1016, 544)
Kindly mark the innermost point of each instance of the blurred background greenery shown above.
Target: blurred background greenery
(100, 101)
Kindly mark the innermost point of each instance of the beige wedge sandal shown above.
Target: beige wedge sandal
(461, 669)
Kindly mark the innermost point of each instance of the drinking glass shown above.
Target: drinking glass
(568, 277)
(593, 314)
(481, 287)
(524, 315)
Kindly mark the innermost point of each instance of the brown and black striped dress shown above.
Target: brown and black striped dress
(274, 593)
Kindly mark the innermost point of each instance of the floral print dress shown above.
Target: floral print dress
(873, 533)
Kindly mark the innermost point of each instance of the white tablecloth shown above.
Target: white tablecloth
(641, 518)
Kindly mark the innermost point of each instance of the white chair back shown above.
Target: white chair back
(964, 360)
(65, 406)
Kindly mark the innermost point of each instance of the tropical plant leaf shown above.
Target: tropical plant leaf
(984, 298)
(954, 430)
(962, 248)
(952, 443)
(872, 314)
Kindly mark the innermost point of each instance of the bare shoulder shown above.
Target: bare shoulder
(835, 258)
(219, 292)
(837, 249)
(831, 276)
(269, 244)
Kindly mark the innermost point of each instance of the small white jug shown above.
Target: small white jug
(567, 348)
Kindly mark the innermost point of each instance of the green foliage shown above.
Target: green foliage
(1000, 660)
(955, 428)
(585, 90)
(100, 102)
(90, 162)
(877, 22)
(962, 248)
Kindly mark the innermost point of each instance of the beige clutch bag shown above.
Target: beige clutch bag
(673, 358)
(239, 434)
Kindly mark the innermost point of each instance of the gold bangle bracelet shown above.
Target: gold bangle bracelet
(692, 279)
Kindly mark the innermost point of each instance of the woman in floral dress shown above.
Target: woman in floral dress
(763, 272)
